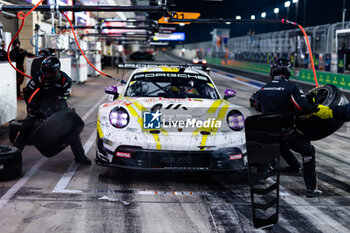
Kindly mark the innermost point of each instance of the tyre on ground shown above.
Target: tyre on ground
(10, 162)
(54, 134)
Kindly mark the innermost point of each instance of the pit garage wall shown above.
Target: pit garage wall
(8, 96)
(339, 80)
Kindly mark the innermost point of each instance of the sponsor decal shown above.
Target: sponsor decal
(191, 123)
(152, 120)
(123, 154)
(235, 157)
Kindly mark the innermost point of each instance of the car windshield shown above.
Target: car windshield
(171, 85)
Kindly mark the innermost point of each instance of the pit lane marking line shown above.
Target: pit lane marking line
(19, 184)
(68, 175)
(88, 113)
(13, 190)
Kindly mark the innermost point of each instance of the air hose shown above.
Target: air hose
(308, 46)
(82, 52)
(22, 17)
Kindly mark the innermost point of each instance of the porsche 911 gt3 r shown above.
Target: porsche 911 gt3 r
(171, 118)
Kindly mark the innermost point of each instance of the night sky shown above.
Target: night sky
(317, 12)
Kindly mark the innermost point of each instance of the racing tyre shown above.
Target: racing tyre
(10, 162)
(14, 128)
(315, 128)
(54, 134)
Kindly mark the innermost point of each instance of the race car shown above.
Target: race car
(199, 60)
(171, 118)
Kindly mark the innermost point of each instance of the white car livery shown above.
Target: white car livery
(171, 118)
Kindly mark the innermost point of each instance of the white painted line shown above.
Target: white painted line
(68, 175)
(64, 181)
(316, 216)
(93, 108)
(283, 191)
(13, 190)
(19, 184)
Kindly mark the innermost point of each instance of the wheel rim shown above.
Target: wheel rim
(321, 96)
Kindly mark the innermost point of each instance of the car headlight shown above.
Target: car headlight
(235, 120)
(204, 61)
(119, 117)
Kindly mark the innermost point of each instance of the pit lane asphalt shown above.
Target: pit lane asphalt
(165, 201)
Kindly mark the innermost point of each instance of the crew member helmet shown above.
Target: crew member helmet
(16, 41)
(281, 67)
(50, 66)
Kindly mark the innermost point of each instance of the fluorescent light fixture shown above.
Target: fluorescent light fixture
(181, 24)
(276, 10)
(263, 15)
(228, 22)
(287, 4)
(252, 17)
(238, 17)
(295, 1)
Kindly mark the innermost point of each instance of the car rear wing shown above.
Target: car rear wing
(204, 68)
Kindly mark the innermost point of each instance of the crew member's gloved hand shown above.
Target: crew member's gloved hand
(324, 112)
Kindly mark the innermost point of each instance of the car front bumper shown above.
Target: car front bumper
(138, 158)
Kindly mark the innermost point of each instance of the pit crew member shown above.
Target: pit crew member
(46, 93)
(282, 96)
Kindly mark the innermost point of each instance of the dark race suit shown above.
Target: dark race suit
(18, 55)
(282, 96)
(43, 98)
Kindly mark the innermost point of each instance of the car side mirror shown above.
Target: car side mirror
(112, 90)
(229, 93)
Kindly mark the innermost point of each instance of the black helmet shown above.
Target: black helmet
(44, 53)
(50, 66)
(281, 66)
(16, 41)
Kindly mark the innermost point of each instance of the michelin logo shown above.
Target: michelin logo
(152, 120)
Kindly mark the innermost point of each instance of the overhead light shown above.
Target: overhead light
(276, 10)
(287, 4)
(295, 1)
(228, 22)
(252, 17)
(238, 17)
(182, 24)
(263, 15)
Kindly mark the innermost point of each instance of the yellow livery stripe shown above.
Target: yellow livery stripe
(204, 140)
(214, 106)
(98, 126)
(156, 138)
